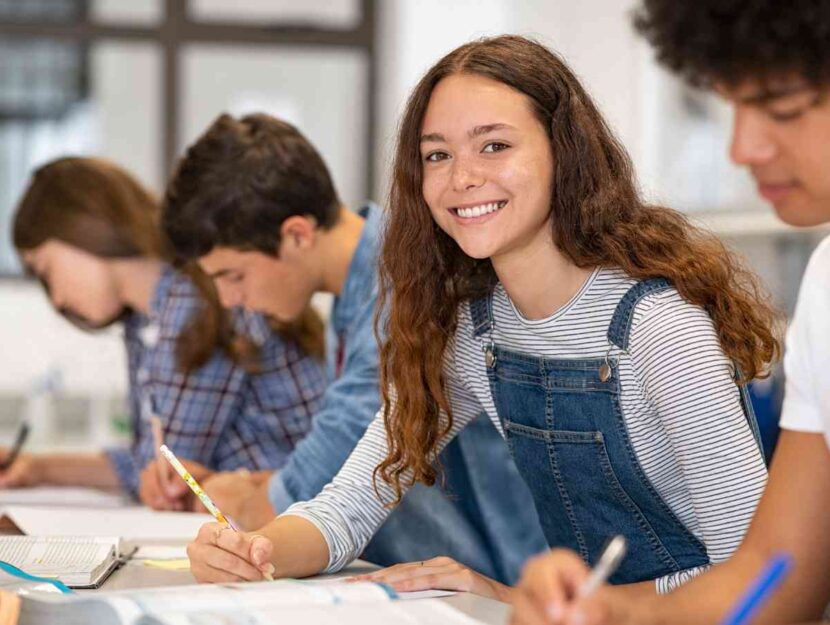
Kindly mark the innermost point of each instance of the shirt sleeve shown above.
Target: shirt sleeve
(123, 463)
(687, 379)
(348, 511)
(194, 410)
(348, 407)
(804, 395)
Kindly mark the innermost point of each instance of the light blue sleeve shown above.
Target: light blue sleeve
(349, 405)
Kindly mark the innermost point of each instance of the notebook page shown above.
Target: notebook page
(250, 596)
(407, 596)
(61, 496)
(426, 612)
(133, 523)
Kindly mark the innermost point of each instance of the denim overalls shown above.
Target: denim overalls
(565, 429)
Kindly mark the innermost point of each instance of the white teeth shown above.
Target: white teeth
(482, 209)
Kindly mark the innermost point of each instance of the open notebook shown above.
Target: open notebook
(77, 561)
(263, 603)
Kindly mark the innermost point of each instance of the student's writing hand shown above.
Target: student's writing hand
(25, 471)
(220, 555)
(548, 594)
(438, 573)
(162, 489)
(242, 495)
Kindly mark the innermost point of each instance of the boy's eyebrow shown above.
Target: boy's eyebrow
(437, 137)
(218, 273)
(768, 94)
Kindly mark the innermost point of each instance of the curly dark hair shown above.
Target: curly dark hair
(728, 41)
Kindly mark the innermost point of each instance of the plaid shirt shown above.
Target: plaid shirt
(219, 414)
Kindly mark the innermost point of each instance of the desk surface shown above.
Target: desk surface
(135, 575)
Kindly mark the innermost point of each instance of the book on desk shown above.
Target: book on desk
(77, 561)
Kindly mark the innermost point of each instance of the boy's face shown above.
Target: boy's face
(781, 133)
(277, 286)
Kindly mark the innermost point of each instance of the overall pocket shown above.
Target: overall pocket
(581, 500)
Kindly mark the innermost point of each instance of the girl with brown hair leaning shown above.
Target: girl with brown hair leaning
(608, 340)
(229, 393)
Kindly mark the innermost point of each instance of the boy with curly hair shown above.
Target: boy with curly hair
(771, 61)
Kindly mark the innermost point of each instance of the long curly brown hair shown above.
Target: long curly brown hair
(598, 219)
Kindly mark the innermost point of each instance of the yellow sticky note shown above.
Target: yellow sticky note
(182, 564)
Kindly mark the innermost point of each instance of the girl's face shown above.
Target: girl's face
(78, 283)
(487, 167)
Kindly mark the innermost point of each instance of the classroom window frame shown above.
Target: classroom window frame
(176, 30)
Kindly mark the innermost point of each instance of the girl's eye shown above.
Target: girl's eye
(495, 146)
(434, 157)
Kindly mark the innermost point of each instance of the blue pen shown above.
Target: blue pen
(761, 589)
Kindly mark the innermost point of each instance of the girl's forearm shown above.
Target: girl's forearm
(78, 469)
(300, 549)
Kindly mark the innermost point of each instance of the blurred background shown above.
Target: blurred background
(137, 80)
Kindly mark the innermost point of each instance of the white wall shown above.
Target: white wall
(593, 36)
(323, 92)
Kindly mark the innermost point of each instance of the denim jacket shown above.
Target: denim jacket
(352, 398)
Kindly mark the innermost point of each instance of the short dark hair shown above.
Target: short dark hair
(729, 41)
(238, 183)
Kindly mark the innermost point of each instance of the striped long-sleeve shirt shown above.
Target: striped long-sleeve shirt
(680, 404)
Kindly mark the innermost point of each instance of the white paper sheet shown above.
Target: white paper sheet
(133, 523)
(428, 612)
(160, 552)
(54, 496)
(342, 576)
(288, 601)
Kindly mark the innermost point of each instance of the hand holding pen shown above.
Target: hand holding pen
(558, 587)
(260, 554)
(159, 488)
(17, 470)
(14, 452)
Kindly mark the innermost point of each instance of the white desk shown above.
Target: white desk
(135, 575)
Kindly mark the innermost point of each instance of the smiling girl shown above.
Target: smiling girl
(608, 340)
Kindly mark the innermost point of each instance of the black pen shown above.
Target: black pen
(22, 435)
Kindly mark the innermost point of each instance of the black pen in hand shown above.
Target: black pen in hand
(14, 452)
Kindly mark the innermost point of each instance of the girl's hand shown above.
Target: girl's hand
(548, 593)
(438, 574)
(161, 488)
(220, 554)
(24, 471)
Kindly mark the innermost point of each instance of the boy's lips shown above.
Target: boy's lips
(775, 191)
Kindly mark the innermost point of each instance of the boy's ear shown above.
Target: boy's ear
(298, 232)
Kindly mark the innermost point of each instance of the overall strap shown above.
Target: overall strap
(481, 313)
(620, 327)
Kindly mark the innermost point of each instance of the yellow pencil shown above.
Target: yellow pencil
(201, 494)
